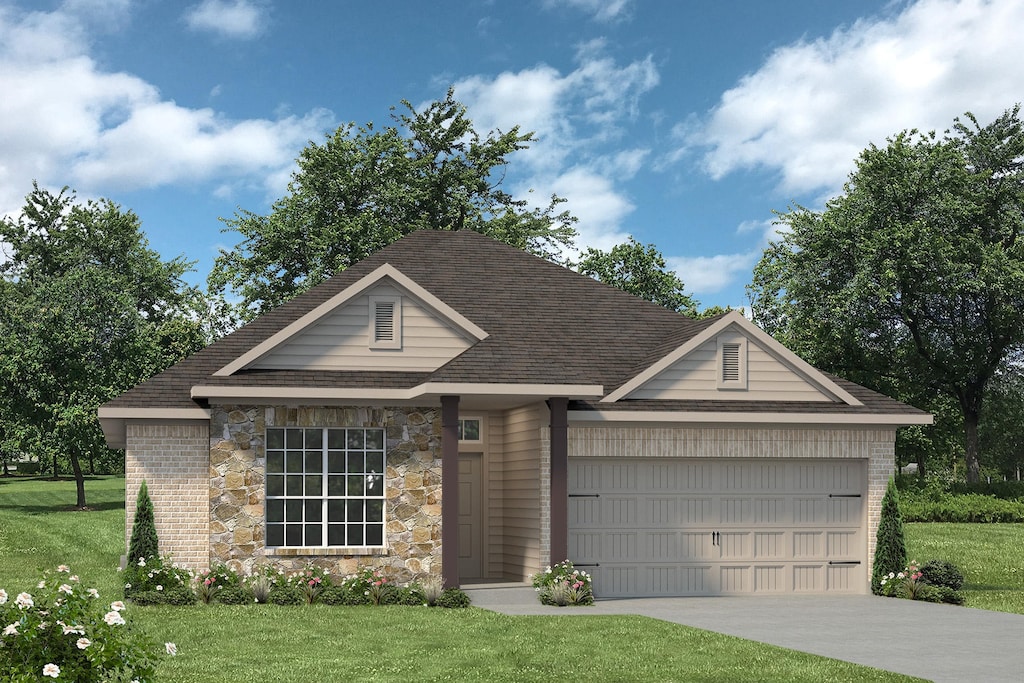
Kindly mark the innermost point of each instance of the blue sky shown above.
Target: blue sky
(682, 123)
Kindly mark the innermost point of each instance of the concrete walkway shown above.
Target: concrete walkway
(938, 642)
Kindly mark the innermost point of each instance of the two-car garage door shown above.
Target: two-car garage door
(674, 526)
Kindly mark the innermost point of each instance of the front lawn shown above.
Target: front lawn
(39, 529)
(991, 557)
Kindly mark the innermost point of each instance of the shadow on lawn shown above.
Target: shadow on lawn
(92, 505)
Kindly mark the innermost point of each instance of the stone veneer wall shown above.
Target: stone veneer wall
(412, 487)
(173, 458)
(877, 446)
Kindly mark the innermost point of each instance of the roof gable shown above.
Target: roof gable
(764, 370)
(337, 334)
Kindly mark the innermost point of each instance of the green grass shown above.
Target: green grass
(991, 557)
(39, 529)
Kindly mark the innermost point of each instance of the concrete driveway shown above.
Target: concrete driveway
(937, 642)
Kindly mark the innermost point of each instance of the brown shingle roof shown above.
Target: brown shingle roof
(546, 324)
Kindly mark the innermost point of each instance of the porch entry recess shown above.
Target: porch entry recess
(679, 527)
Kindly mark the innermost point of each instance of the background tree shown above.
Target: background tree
(912, 280)
(1000, 434)
(89, 311)
(640, 270)
(364, 188)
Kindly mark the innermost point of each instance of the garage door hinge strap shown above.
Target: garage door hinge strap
(580, 564)
(840, 562)
(584, 495)
(844, 495)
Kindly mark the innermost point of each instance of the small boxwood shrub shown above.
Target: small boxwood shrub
(403, 595)
(234, 595)
(176, 595)
(943, 574)
(287, 595)
(452, 598)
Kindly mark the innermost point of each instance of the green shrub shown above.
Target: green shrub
(144, 543)
(63, 630)
(935, 505)
(287, 595)
(452, 598)
(179, 595)
(28, 468)
(339, 595)
(370, 583)
(155, 574)
(890, 548)
(942, 574)
(403, 595)
(234, 595)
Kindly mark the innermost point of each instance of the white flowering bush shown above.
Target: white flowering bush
(64, 631)
(156, 581)
(562, 584)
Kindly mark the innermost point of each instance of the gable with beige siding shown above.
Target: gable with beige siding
(695, 375)
(341, 340)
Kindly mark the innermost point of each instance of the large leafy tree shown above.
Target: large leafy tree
(363, 188)
(912, 280)
(640, 270)
(88, 311)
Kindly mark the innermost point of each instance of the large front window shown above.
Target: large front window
(325, 487)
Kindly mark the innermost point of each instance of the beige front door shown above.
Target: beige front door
(673, 526)
(471, 551)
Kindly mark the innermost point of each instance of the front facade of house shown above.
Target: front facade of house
(453, 407)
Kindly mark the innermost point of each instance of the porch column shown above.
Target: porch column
(450, 491)
(559, 479)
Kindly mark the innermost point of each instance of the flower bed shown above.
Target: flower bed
(64, 631)
(562, 585)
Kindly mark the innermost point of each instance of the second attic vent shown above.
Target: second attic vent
(384, 321)
(730, 362)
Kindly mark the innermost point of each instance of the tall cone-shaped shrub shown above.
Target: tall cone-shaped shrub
(890, 548)
(144, 542)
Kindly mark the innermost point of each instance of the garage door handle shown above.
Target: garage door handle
(584, 495)
(844, 495)
(844, 562)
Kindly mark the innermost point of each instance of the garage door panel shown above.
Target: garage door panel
(808, 578)
(736, 510)
(662, 526)
(809, 544)
(769, 544)
(770, 578)
(695, 511)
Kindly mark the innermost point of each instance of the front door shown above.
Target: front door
(471, 554)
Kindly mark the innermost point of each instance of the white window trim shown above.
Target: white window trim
(380, 478)
(396, 341)
(724, 340)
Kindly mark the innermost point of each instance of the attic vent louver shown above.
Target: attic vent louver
(730, 362)
(384, 321)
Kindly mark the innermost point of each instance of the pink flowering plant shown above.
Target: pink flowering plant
(562, 584)
(368, 586)
(209, 583)
(66, 631)
(905, 584)
(309, 582)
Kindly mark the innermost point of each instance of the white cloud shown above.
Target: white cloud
(576, 117)
(229, 18)
(601, 10)
(710, 274)
(810, 109)
(65, 120)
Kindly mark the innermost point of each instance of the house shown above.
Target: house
(454, 406)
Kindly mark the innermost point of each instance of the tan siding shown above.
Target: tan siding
(695, 377)
(494, 563)
(174, 459)
(341, 340)
(521, 480)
